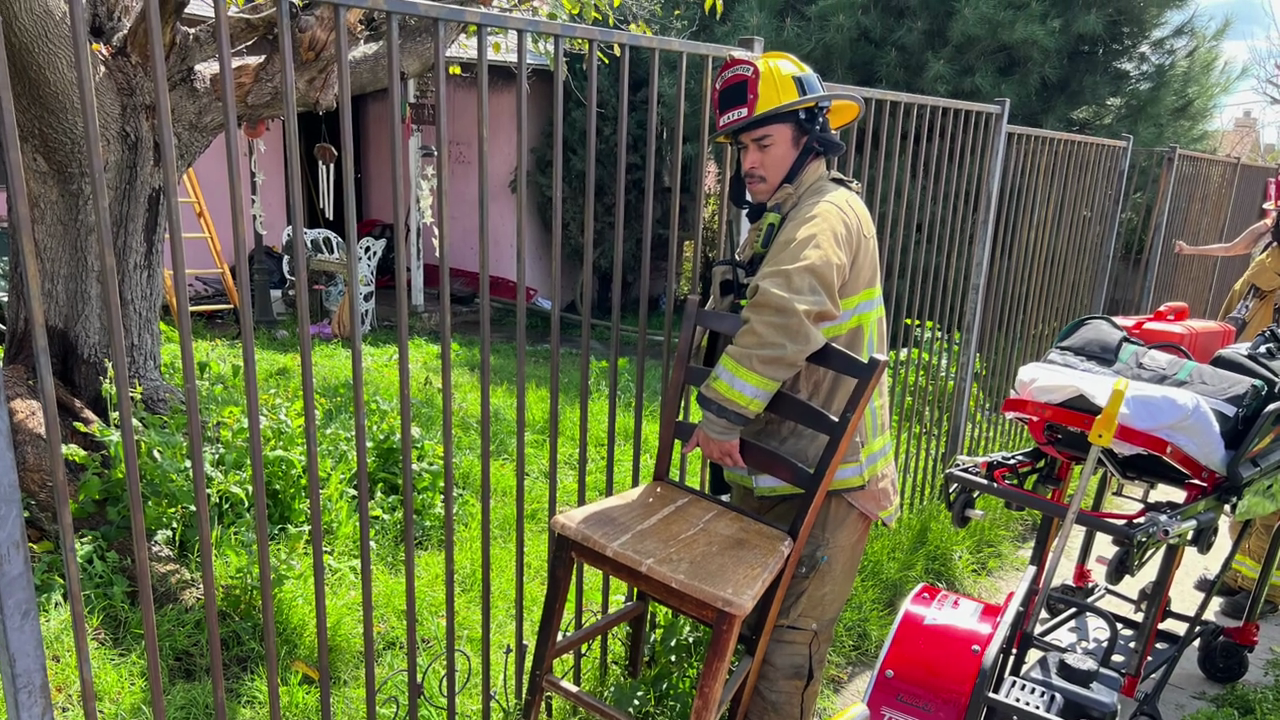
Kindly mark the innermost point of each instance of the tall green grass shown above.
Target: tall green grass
(922, 547)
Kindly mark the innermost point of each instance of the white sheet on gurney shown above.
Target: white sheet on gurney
(1179, 417)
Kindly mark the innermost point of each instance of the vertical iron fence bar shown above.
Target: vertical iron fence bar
(522, 321)
(248, 352)
(298, 225)
(441, 76)
(1080, 234)
(965, 258)
(907, 179)
(1046, 209)
(1113, 228)
(585, 309)
(615, 316)
(886, 221)
(937, 295)
(1168, 180)
(110, 282)
(1001, 346)
(957, 183)
(23, 668)
(1063, 235)
(347, 138)
(1226, 224)
(1036, 154)
(20, 219)
(646, 265)
(1098, 222)
(399, 206)
(695, 282)
(673, 237)
(1138, 263)
(919, 237)
(23, 664)
(972, 323)
(557, 242)
(191, 392)
(486, 370)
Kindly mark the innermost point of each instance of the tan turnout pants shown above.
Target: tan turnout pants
(1247, 565)
(791, 675)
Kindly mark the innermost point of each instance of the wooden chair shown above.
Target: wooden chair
(692, 552)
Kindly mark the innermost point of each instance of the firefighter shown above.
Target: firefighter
(807, 272)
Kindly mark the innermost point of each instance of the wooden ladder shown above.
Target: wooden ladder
(210, 235)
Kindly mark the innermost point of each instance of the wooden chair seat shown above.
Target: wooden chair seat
(683, 541)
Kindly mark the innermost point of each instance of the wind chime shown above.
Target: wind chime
(326, 156)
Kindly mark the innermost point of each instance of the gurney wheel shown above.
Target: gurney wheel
(1055, 608)
(1222, 661)
(1119, 566)
(963, 503)
(1206, 540)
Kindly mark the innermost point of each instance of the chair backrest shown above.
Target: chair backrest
(838, 429)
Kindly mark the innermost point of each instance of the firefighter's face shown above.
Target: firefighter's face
(765, 155)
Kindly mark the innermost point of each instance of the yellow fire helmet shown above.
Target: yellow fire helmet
(747, 92)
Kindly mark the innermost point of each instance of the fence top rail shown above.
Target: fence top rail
(1224, 159)
(539, 26)
(1055, 134)
(892, 96)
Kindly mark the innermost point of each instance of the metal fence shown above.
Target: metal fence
(419, 498)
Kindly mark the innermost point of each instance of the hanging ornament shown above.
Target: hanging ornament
(255, 130)
(257, 148)
(326, 155)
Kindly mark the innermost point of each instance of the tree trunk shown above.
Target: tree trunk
(68, 256)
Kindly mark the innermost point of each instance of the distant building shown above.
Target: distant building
(1244, 140)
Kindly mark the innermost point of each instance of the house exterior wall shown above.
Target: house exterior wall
(215, 185)
(462, 224)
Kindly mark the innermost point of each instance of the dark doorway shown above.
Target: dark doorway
(313, 129)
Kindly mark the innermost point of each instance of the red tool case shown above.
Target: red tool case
(1172, 323)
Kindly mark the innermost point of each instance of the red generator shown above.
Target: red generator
(1172, 324)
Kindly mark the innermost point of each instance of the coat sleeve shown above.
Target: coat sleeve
(789, 301)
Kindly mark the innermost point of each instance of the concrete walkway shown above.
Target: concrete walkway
(1187, 686)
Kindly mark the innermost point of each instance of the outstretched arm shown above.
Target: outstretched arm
(1242, 245)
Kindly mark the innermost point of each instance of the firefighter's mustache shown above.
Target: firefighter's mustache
(750, 176)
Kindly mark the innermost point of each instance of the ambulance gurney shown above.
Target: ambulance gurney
(1103, 403)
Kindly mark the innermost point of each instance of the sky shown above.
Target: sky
(1251, 24)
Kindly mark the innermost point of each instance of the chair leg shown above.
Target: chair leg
(639, 636)
(762, 622)
(715, 668)
(559, 576)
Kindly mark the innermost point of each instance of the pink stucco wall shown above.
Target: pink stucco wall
(462, 215)
(211, 174)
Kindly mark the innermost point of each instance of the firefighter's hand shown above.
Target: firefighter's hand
(723, 453)
(1180, 248)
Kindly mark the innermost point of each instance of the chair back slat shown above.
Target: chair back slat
(839, 429)
(783, 404)
(762, 459)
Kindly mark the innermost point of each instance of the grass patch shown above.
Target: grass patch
(499, 536)
(1244, 701)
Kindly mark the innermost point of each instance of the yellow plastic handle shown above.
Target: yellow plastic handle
(1104, 426)
(856, 711)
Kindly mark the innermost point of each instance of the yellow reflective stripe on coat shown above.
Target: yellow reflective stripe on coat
(750, 390)
(876, 457)
(1252, 570)
(862, 309)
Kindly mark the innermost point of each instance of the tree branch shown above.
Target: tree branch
(137, 43)
(244, 29)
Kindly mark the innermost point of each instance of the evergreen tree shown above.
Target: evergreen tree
(1152, 68)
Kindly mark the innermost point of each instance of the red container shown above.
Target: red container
(1172, 323)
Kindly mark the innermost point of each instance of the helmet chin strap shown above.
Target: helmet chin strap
(819, 142)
